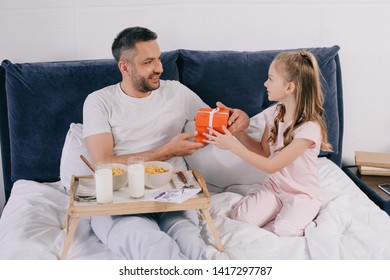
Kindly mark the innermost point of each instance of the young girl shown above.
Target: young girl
(295, 132)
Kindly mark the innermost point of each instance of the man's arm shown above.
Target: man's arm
(101, 146)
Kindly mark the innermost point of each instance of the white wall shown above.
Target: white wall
(47, 30)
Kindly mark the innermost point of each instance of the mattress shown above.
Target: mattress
(348, 226)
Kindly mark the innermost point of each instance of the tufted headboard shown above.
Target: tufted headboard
(39, 101)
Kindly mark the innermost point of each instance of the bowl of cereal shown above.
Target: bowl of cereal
(157, 174)
(119, 176)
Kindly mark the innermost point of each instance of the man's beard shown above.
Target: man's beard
(141, 83)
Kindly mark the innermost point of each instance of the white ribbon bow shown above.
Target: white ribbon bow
(211, 117)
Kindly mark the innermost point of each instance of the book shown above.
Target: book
(372, 159)
(378, 171)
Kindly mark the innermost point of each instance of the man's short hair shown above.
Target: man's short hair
(127, 39)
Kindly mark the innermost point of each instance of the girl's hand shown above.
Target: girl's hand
(223, 141)
(238, 120)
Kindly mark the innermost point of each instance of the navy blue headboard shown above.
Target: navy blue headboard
(237, 79)
(38, 101)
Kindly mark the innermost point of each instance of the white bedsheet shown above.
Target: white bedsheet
(349, 226)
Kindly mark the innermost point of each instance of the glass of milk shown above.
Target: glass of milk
(136, 176)
(103, 183)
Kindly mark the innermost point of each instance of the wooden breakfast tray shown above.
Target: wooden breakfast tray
(120, 207)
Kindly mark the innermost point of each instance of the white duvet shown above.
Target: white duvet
(349, 226)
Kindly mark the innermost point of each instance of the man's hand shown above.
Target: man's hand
(181, 145)
(238, 120)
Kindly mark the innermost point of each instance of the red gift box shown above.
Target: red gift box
(207, 117)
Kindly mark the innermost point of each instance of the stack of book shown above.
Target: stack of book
(371, 163)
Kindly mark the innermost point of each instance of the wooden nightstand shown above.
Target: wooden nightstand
(369, 185)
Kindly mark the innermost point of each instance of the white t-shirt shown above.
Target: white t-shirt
(141, 124)
(302, 175)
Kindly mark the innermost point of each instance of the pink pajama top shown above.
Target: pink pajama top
(300, 177)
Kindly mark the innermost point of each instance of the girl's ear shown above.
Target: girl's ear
(291, 87)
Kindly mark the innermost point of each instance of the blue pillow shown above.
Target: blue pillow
(43, 99)
(237, 79)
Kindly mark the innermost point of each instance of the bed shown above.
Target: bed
(41, 124)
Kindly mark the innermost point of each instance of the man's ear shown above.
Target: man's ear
(123, 66)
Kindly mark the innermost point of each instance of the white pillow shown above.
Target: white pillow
(223, 169)
(71, 163)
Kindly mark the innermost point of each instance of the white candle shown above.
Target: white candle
(136, 175)
(103, 182)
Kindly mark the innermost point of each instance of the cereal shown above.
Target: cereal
(117, 171)
(150, 169)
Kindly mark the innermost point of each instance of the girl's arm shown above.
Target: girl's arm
(269, 165)
(258, 147)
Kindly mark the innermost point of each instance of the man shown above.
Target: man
(143, 116)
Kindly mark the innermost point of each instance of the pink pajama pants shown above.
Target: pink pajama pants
(291, 213)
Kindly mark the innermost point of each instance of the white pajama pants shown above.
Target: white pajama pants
(291, 213)
(157, 236)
